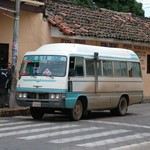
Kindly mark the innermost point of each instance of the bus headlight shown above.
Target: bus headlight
(57, 95)
(52, 96)
(22, 95)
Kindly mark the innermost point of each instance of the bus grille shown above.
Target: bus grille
(37, 95)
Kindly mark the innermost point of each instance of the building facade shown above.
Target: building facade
(59, 22)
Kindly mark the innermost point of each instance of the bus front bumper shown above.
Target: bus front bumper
(23, 102)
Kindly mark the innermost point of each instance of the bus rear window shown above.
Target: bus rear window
(134, 69)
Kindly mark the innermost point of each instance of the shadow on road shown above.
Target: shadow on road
(59, 117)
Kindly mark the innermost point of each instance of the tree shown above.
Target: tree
(83, 2)
(117, 5)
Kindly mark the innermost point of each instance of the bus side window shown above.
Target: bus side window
(124, 69)
(90, 67)
(79, 70)
(99, 68)
(76, 66)
(71, 66)
(120, 69)
(107, 68)
(117, 69)
(130, 69)
(72, 72)
(136, 69)
(79, 66)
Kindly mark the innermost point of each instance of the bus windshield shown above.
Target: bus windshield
(43, 66)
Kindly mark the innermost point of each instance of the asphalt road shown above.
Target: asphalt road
(100, 131)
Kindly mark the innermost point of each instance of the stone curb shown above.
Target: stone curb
(146, 100)
(9, 112)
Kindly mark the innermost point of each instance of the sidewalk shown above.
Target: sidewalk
(146, 100)
(18, 111)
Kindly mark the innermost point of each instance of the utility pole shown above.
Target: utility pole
(12, 102)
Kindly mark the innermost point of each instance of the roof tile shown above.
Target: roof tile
(74, 19)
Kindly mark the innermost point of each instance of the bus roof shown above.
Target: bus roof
(86, 51)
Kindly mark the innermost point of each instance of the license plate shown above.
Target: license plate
(36, 104)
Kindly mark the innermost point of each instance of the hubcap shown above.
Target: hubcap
(78, 110)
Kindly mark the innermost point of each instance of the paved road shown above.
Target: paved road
(100, 131)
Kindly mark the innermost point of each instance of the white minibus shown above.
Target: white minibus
(78, 79)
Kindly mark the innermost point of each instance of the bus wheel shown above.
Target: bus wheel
(36, 113)
(76, 112)
(121, 108)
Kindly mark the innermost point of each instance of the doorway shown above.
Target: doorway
(4, 48)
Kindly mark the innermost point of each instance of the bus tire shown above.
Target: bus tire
(36, 113)
(121, 108)
(113, 112)
(77, 111)
(86, 114)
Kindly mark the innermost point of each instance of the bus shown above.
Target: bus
(77, 79)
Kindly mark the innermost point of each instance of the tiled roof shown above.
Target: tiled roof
(76, 20)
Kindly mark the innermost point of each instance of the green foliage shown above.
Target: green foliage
(83, 2)
(131, 6)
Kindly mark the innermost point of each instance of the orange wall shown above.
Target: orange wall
(33, 32)
(6, 31)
